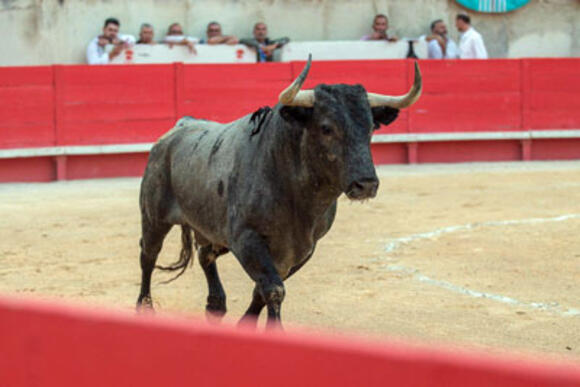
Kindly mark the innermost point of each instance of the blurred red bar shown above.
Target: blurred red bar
(53, 345)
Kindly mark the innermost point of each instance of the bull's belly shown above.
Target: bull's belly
(206, 215)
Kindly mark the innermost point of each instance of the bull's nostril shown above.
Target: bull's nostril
(363, 188)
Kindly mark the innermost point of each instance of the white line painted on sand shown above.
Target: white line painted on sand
(395, 243)
(398, 242)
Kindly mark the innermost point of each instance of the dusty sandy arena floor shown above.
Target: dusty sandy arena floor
(484, 255)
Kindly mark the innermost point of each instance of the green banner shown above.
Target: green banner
(493, 6)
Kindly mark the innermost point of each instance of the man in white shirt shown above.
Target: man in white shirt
(471, 43)
(96, 49)
(439, 46)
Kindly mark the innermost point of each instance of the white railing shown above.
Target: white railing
(320, 50)
(350, 50)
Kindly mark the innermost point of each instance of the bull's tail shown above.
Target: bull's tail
(184, 256)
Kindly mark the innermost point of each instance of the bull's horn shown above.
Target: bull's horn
(293, 96)
(399, 102)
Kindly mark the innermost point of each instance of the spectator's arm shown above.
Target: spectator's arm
(232, 40)
(434, 50)
(129, 39)
(281, 42)
(221, 39)
(452, 51)
(479, 48)
(250, 42)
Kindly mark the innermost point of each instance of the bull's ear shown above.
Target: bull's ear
(296, 113)
(383, 115)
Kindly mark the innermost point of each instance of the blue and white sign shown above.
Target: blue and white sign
(493, 6)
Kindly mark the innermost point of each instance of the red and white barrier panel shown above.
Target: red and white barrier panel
(49, 345)
(470, 110)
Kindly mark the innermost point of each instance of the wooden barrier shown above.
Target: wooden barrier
(53, 345)
(127, 104)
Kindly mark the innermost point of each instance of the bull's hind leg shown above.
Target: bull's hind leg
(216, 299)
(151, 243)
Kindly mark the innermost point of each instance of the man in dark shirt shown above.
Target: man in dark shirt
(264, 46)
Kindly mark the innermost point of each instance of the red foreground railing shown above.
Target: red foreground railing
(49, 345)
(507, 109)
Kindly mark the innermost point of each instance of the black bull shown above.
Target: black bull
(264, 187)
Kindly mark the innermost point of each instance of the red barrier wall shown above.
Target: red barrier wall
(89, 105)
(550, 92)
(47, 345)
(27, 107)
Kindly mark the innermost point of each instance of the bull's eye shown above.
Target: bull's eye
(326, 129)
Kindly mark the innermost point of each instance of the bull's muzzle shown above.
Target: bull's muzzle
(361, 189)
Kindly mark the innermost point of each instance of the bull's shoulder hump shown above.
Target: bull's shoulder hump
(189, 125)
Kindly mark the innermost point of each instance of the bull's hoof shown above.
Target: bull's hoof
(214, 316)
(214, 313)
(145, 305)
(215, 308)
(274, 326)
(249, 322)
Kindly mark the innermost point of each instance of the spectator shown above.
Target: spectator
(380, 27)
(146, 34)
(214, 35)
(471, 44)
(439, 45)
(263, 44)
(96, 49)
(175, 36)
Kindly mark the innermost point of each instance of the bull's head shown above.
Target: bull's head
(339, 121)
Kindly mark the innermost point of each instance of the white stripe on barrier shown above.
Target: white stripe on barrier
(76, 150)
(475, 136)
(79, 150)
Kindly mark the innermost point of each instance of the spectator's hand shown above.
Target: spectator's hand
(191, 47)
(393, 38)
(378, 36)
(103, 41)
(117, 50)
(232, 40)
(268, 50)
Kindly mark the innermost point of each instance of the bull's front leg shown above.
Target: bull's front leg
(252, 251)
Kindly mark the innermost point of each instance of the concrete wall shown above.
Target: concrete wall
(36, 32)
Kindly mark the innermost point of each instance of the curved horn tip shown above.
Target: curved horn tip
(308, 62)
(418, 77)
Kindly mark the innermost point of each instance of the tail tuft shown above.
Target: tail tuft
(184, 256)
